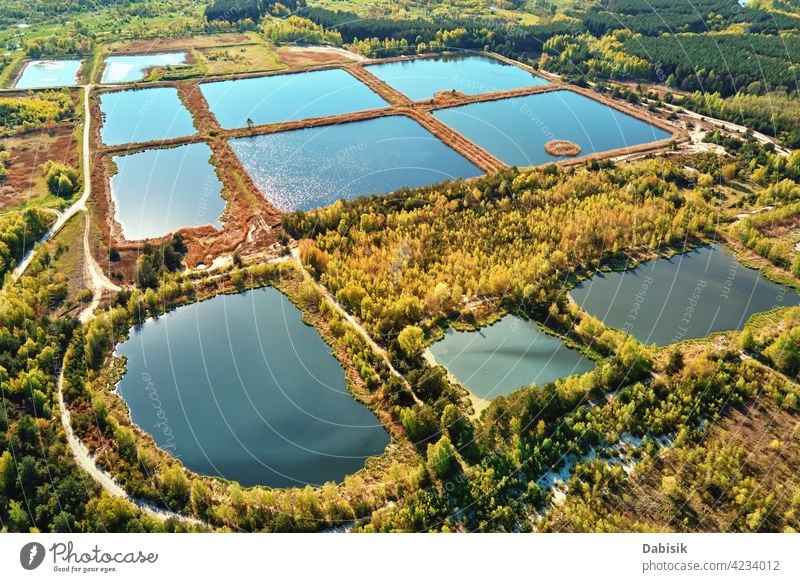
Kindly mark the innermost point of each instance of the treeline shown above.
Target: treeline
(34, 111)
(477, 34)
(19, 231)
(723, 63)
(775, 114)
(236, 10)
(668, 16)
(297, 29)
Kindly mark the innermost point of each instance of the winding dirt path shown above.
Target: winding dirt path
(382, 353)
(98, 283)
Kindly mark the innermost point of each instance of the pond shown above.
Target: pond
(687, 296)
(516, 130)
(129, 68)
(288, 97)
(144, 115)
(156, 192)
(47, 73)
(238, 387)
(308, 168)
(497, 360)
(421, 79)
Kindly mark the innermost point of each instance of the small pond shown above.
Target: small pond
(512, 353)
(239, 387)
(288, 97)
(143, 115)
(47, 73)
(156, 192)
(421, 79)
(129, 68)
(687, 296)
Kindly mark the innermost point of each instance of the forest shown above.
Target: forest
(34, 111)
(402, 259)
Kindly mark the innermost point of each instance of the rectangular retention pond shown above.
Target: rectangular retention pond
(239, 387)
(687, 296)
(309, 168)
(144, 115)
(156, 192)
(129, 68)
(421, 79)
(56, 73)
(512, 353)
(287, 97)
(516, 130)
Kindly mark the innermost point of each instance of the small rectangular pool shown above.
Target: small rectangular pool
(49, 73)
(129, 68)
(309, 168)
(157, 192)
(516, 130)
(143, 115)
(288, 97)
(421, 79)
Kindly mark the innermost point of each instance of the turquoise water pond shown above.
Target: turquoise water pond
(238, 387)
(129, 68)
(156, 192)
(497, 360)
(143, 115)
(289, 97)
(49, 73)
(308, 168)
(687, 296)
(515, 130)
(421, 79)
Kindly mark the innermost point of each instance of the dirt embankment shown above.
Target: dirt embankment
(475, 154)
(381, 88)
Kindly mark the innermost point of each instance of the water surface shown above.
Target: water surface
(304, 169)
(515, 130)
(129, 68)
(237, 386)
(156, 192)
(49, 73)
(143, 115)
(288, 97)
(687, 296)
(512, 353)
(469, 74)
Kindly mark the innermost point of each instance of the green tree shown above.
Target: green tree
(411, 339)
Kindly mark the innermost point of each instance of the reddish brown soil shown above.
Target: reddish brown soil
(179, 43)
(308, 58)
(29, 151)
(562, 147)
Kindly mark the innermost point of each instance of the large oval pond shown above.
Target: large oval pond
(238, 387)
(287, 97)
(143, 115)
(469, 74)
(497, 360)
(157, 192)
(516, 130)
(687, 296)
(129, 68)
(304, 169)
(49, 73)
